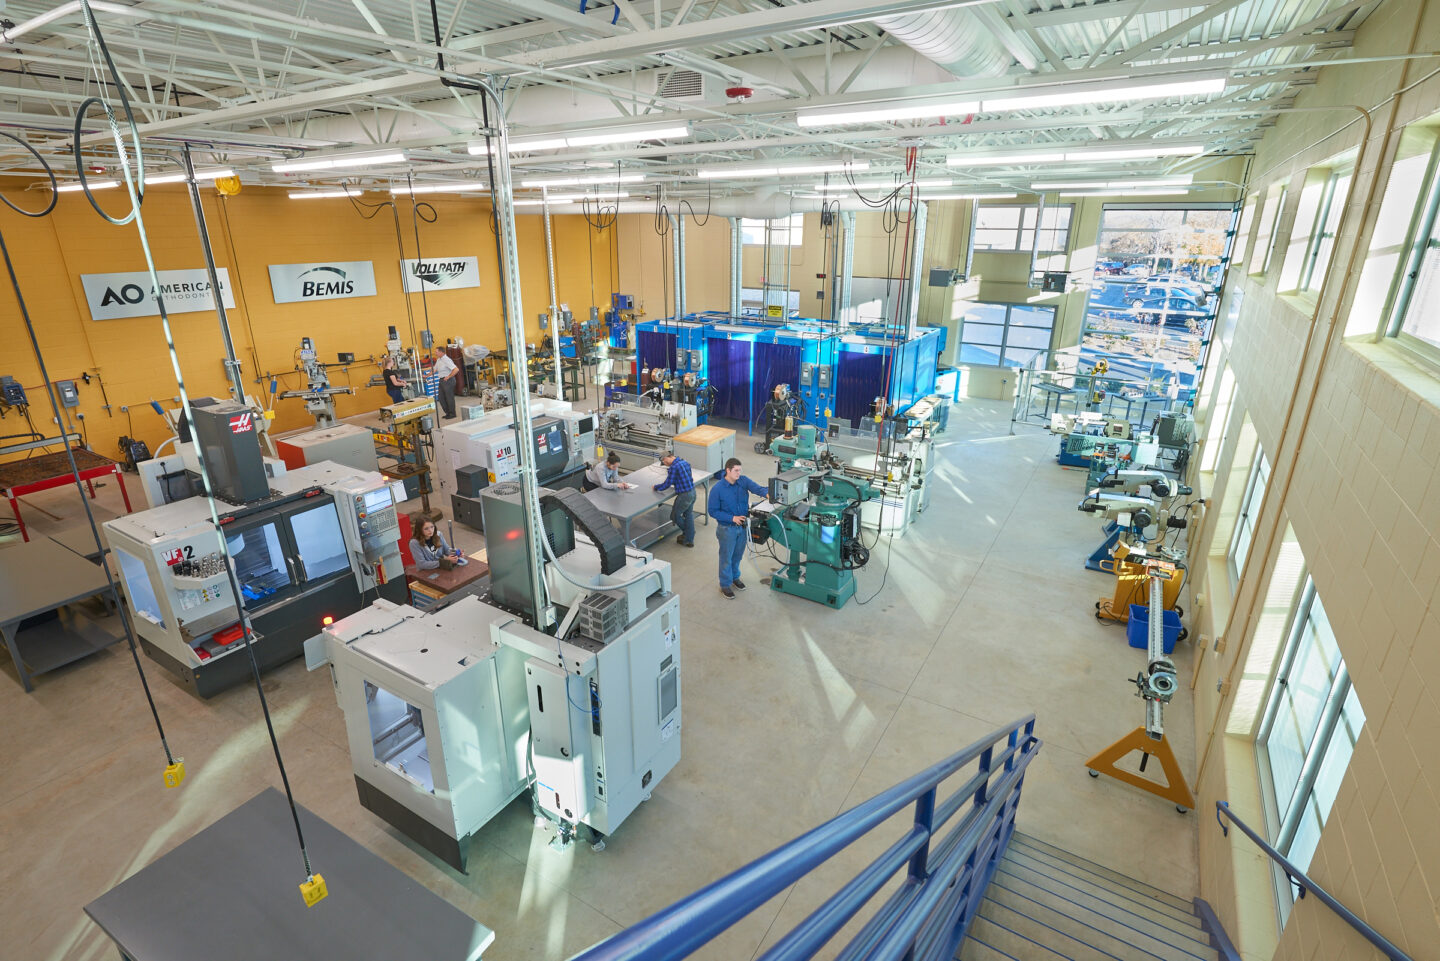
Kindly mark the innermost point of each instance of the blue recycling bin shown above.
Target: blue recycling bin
(1137, 629)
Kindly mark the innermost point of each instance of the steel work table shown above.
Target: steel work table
(80, 541)
(40, 577)
(49, 471)
(644, 502)
(374, 911)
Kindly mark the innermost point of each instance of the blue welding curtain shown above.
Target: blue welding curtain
(729, 363)
(857, 383)
(657, 349)
(774, 364)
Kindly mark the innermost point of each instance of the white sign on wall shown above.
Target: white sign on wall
(112, 296)
(440, 273)
(294, 283)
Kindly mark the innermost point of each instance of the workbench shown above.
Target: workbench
(646, 505)
(49, 471)
(437, 585)
(80, 540)
(231, 893)
(39, 577)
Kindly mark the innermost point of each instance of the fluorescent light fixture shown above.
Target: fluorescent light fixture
(581, 181)
(323, 194)
(459, 188)
(947, 196)
(597, 195)
(890, 111)
(536, 203)
(338, 161)
(94, 185)
(1133, 153)
(743, 171)
(1002, 160)
(871, 184)
(1156, 192)
(200, 175)
(1180, 181)
(629, 135)
(1153, 91)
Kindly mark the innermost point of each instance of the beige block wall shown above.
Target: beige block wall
(1351, 428)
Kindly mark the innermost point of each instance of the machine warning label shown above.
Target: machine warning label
(241, 424)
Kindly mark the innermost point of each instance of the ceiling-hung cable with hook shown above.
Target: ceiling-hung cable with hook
(417, 215)
(175, 767)
(313, 887)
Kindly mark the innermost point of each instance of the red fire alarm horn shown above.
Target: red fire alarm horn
(740, 93)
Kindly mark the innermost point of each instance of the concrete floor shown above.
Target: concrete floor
(792, 713)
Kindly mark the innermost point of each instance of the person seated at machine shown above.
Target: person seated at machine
(606, 475)
(429, 547)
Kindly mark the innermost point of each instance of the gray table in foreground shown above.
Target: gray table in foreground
(40, 577)
(643, 504)
(81, 541)
(249, 864)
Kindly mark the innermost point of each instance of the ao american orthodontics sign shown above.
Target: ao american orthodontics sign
(440, 273)
(113, 296)
(296, 283)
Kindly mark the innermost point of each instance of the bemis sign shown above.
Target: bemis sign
(440, 273)
(112, 296)
(293, 283)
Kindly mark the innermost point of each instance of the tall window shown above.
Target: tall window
(783, 231)
(1241, 540)
(1265, 237)
(1011, 228)
(1322, 237)
(1247, 221)
(1415, 320)
(1004, 335)
(1312, 720)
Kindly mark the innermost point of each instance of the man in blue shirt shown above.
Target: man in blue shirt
(730, 506)
(682, 509)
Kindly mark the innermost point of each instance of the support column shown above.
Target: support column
(737, 263)
(231, 362)
(916, 269)
(678, 257)
(847, 261)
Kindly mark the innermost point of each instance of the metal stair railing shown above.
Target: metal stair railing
(924, 920)
(1302, 881)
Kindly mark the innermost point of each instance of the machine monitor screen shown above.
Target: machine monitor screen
(587, 425)
(377, 500)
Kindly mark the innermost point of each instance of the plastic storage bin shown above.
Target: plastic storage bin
(1137, 629)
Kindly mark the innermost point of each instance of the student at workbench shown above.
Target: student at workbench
(606, 476)
(429, 547)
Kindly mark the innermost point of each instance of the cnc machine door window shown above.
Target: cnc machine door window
(318, 541)
(260, 562)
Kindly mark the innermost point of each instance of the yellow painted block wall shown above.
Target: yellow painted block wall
(1357, 475)
(248, 233)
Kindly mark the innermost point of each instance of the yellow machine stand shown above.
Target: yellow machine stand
(1174, 790)
(1131, 586)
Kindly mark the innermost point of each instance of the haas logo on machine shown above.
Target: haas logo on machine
(241, 423)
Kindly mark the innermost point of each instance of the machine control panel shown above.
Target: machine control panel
(375, 514)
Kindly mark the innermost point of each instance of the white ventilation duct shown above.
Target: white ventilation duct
(771, 206)
(954, 38)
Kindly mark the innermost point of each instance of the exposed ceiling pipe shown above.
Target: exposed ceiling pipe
(770, 206)
(954, 38)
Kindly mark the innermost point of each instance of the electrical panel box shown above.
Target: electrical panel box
(69, 396)
(822, 375)
(941, 277)
(11, 392)
(1053, 281)
(559, 738)
(807, 374)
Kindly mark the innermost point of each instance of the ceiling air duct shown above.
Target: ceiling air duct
(954, 38)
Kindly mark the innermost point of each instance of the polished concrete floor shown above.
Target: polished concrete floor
(792, 713)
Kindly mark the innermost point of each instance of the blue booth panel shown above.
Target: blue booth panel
(859, 379)
(729, 365)
(775, 364)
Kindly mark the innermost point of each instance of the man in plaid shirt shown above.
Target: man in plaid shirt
(682, 511)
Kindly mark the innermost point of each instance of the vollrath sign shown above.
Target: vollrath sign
(440, 273)
(295, 283)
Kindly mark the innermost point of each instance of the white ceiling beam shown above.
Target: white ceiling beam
(1179, 30)
(1114, 9)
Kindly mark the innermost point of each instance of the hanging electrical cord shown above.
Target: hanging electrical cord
(360, 208)
(174, 773)
(313, 888)
(416, 215)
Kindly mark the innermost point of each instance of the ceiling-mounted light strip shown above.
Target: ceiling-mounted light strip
(323, 194)
(1179, 181)
(536, 203)
(583, 181)
(1074, 155)
(1110, 92)
(889, 111)
(460, 188)
(949, 196)
(636, 133)
(743, 171)
(1156, 192)
(94, 185)
(596, 195)
(338, 161)
(884, 184)
(200, 175)
(1002, 160)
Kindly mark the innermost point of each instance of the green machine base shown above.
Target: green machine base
(834, 594)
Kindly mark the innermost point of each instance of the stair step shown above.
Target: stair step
(1123, 896)
(1038, 887)
(1011, 943)
(1103, 931)
(1043, 850)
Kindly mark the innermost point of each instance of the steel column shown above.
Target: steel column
(915, 268)
(231, 362)
(847, 258)
(737, 250)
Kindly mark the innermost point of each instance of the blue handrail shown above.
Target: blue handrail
(925, 920)
(1302, 881)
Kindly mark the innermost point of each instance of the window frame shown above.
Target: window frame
(1020, 229)
(1269, 231)
(1318, 231)
(1247, 511)
(1420, 238)
(1282, 831)
(1005, 328)
(793, 230)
